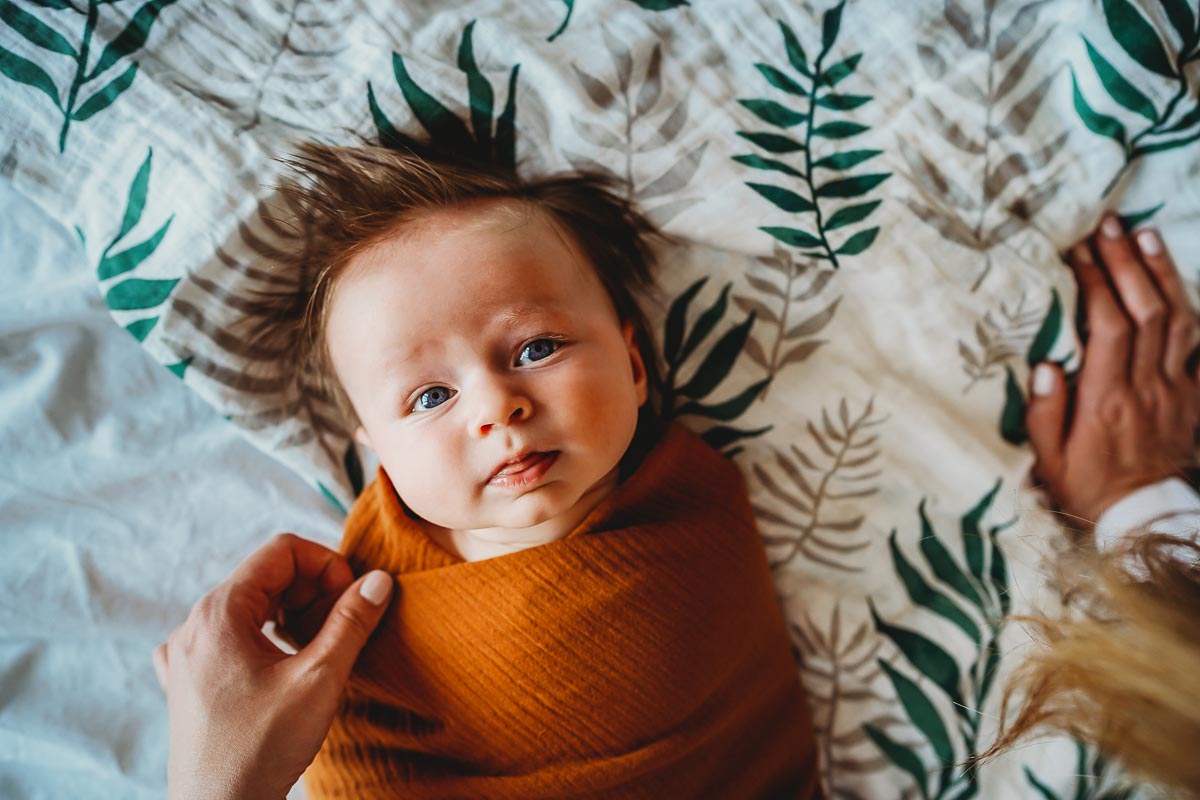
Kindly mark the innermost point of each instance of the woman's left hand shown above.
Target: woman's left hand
(247, 718)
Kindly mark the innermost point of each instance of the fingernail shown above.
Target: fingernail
(1149, 242)
(376, 587)
(1111, 227)
(1083, 253)
(1043, 380)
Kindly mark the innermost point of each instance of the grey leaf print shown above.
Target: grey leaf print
(997, 343)
(960, 21)
(952, 133)
(678, 176)
(804, 515)
(802, 281)
(621, 58)
(1022, 112)
(652, 85)
(583, 163)
(600, 94)
(1017, 164)
(932, 61)
(596, 135)
(948, 225)
(1020, 26)
(618, 133)
(1008, 167)
(930, 178)
(1018, 68)
(839, 666)
(672, 125)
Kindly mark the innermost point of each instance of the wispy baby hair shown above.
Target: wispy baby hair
(346, 199)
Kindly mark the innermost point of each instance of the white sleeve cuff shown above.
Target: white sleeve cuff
(1170, 506)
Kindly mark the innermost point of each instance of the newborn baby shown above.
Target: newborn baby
(583, 604)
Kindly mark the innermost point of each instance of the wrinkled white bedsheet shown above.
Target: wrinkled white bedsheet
(100, 445)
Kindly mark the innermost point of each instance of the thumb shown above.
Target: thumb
(350, 623)
(1045, 417)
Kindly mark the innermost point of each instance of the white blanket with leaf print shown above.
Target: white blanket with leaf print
(873, 196)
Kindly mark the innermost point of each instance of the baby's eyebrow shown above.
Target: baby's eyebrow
(506, 318)
(511, 317)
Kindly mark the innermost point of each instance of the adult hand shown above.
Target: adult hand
(1137, 404)
(246, 718)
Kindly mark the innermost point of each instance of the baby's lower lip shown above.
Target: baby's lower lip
(535, 467)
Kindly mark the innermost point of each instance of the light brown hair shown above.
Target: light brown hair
(344, 200)
(1122, 670)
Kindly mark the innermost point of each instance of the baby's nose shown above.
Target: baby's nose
(504, 407)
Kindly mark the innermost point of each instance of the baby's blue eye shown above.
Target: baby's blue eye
(541, 347)
(437, 391)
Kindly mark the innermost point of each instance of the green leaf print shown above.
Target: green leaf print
(792, 236)
(772, 142)
(45, 37)
(1132, 219)
(813, 83)
(921, 593)
(783, 198)
(774, 113)
(661, 5)
(444, 127)
(1118, 88)
(903, 757)
(1096, 122)
(570, 4)
(25, 71)
(714, 367)
(141, 329)
(135, 293)
(1136, 36)
(851, 214)
(858, 242)
(1012, 417)
(758, 162)
(34, 30)
(920, 710)
(1176, 124)
(780, 80)
(132, 37)
(104, 98)
(1093, 773)
(1182, 18)
(959, 674)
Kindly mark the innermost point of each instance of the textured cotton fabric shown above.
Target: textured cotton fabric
(643, 655)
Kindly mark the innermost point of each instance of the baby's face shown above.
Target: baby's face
(475, 333)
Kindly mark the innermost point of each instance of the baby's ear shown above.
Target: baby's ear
(360, 436)
(635, 356)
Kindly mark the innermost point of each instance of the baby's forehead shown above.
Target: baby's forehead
(476, 213)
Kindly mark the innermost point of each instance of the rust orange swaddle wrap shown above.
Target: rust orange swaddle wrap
(644, 655)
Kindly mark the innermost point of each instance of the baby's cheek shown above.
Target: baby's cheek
(604, 404)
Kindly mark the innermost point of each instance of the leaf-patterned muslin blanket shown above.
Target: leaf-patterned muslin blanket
(873, 197)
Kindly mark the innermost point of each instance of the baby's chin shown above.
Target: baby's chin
(510, 513)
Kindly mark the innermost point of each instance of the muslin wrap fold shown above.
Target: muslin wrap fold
(644, 655)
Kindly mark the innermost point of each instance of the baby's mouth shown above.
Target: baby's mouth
(527, 470)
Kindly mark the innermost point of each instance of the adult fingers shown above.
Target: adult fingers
(349, 624)
(160, 665)
(259, 581)
(1182, 329)
(1106, 353)
(1140, 298)
(1045, 419)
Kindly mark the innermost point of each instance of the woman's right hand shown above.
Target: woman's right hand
(246, 718)
(1136, 410)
